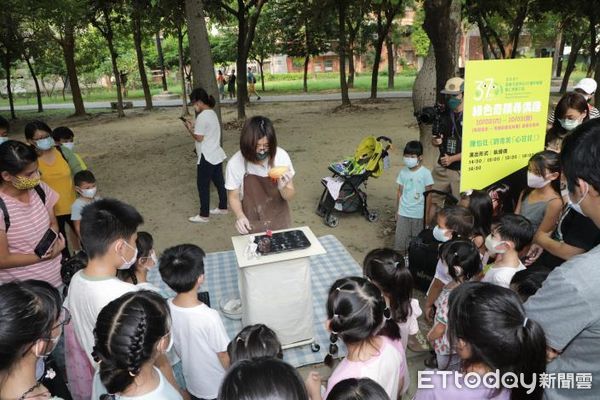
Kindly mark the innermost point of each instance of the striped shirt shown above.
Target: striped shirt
(28, 224)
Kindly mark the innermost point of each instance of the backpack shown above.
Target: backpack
(38, 189)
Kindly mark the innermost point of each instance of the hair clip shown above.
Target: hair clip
(387, 314)
(336, 315)
(525, 322)
(338, 289)
(239, 339)
(131, 374)
(396, 264)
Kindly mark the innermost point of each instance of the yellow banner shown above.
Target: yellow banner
(504, 120)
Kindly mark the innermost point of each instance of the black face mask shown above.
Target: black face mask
(262, 156)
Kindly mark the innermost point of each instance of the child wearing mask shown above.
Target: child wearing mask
(541, 202)
(509, 236)
(413, 180)
(85, 186)
(64, 136)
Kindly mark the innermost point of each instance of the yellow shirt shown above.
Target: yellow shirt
(58, 176)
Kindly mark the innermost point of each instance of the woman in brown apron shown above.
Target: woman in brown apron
(258, 201)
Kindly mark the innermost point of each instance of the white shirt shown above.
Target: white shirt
(207, 125)
(502, 276)
(164, 390)
(198, 335)
(87, 296)
(236, 169)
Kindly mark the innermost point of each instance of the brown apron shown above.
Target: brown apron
(263, 205)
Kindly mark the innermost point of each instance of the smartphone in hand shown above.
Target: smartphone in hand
(44, 245)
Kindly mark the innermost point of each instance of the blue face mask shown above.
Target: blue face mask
(453, 103)
(45, 144)
(3, 139)
(262, 156)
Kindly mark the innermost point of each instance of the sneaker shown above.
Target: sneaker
(198, 218)
(219, 211)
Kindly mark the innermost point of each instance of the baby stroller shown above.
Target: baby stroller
(345, 191)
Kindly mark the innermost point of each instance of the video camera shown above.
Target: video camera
(432, 116)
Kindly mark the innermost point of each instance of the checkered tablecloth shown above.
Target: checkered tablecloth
(221, 282)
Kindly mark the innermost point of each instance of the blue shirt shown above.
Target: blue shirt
(414, 183)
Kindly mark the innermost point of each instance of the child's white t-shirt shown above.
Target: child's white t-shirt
(87, 296)
(387, 369)
(164, 390)
(236, 168)
(502, 276)
(198, 335)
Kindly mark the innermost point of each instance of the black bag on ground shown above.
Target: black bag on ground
(422, 258)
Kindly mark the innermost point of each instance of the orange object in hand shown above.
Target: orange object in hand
(277, 172)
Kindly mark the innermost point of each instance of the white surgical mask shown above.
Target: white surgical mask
(69, 145)
(577, 206)
(127, 264)
(535, 181)
(410, 162)
(440, 234)
(3, 139)
(569, 124)
(154, 259)
(491, 245)
(88, 193)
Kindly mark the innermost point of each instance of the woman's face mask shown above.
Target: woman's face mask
(569, 124)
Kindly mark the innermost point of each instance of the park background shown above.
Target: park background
(366, 64)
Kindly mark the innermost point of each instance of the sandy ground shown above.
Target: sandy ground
(147, 160)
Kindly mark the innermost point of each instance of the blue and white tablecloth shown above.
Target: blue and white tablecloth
(221, 281)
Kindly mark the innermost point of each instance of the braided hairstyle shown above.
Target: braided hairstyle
(126, 334)
(254, 341)
(357, 312)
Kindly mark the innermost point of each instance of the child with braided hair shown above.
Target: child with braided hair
(357, 314)
(131, 333)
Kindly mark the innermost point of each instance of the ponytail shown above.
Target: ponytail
(532, 357)
(126, 333)
(491, 319)
(386, 268)
(199, 94)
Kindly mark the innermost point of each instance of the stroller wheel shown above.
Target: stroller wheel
(331, 221)
(373, 216)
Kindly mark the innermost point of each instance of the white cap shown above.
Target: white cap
(454, 86)
(588, 85)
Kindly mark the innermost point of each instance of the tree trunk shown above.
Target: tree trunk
(424, 95)
(161, 62)
(597, 78)
(518, 27)
(68, 46)
(109, 36)
(391, 62)
(246, 30)
(485, 43)
(305, 78)
(351, 68)
(593, 45)
(262, 74)
(442, 24)
(203, 73)
(342, 9)
(11, 101)
(559, 66)
(557, 50)
(381, 35)
(137, 42)
(576, 46)
(38, 91)
(184, 109)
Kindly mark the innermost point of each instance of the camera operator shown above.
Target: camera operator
(448, 138)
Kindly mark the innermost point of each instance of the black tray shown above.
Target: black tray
(282, 242)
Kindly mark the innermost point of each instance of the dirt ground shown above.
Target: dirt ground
(147, 160)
